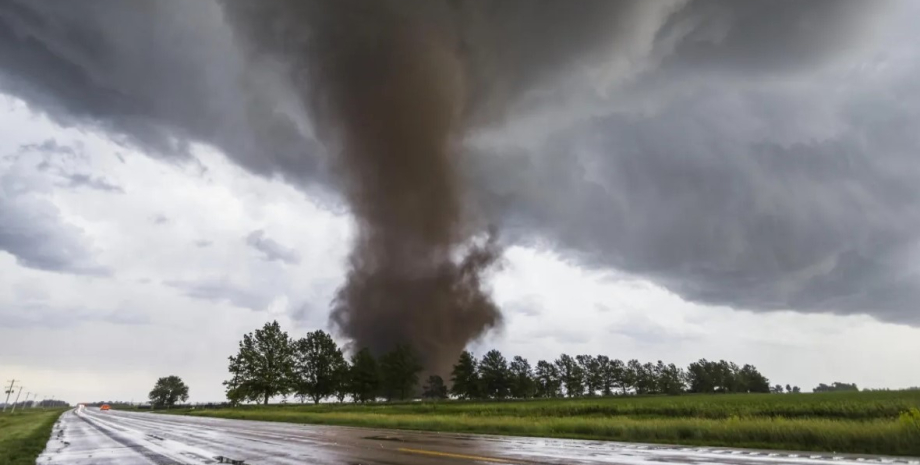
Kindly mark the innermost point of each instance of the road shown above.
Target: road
(91, 437)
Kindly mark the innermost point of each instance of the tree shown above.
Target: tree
(752, 381)
(317, 365)
(616, 371)
(836, 386)
(796, 390)
(632, 375)
(263, 368)
(342, 374)
(788, 388)
(778, 389)
(435, 388)
(571, 374)
(363, 377)
(548, 381)
(522, 382)
(593, 378)
(494, 375)
(399, 372)
(167, 391)
(465, 377)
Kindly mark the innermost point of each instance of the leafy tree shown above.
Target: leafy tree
(836, 386)
(752, 381)
(363, 377)
(318, 362)
(263, 368)
(571, 374)
(788, 388)
(632, 376)
(616, 372)
(494, 375)
(435, 388)
(342, 374)
(465, 377)
(549, 383)
(523, 385)
(796, 390)
(671, 379)
(167, 391)
(399, 372)
(605, 377)
(593, 377)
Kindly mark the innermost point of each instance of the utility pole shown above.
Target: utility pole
(17, 399)
(8, 392)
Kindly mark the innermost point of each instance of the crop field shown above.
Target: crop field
(871, 422)
(23, 435)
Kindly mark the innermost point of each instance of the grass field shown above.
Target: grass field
(23, 435)
(872, 423)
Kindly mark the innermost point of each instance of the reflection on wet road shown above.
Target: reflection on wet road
(88, 436)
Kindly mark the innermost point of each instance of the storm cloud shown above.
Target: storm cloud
(757, 154)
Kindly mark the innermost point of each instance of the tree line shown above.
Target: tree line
(270, 363)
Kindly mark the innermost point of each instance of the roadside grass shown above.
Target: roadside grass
(24, 434)
(868, 423)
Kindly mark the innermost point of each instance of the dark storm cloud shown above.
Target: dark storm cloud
(271, 249)
(714, 171)
(32, 230)
(154, 76)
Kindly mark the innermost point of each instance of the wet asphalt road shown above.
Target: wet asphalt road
(90, 437)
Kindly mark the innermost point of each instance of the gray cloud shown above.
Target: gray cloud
(733, 168)
(159, 219)
(31, 229)
(222, 290)
(272, 250)
(30, 315)
(203, 243)
(77, 180)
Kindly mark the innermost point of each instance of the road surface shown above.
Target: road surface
(92, 437)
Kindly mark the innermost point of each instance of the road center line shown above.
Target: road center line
(456, 456)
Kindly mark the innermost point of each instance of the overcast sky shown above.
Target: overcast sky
(707, 193)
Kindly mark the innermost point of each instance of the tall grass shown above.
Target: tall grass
(23, 435)
(873, 423)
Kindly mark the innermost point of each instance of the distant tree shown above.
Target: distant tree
(317, 365)
(465, 377)
(788, 388)
(572, 375)
(836, 387)
(633, 375)
(399, 371)
(796, 390)
(617, 373)
(700, 377)
(522, 380)
(167, 391)
(342, 374)
(435, 388)
(671, 379)
(750, 380)
(548, 381)
(593, 377)
(363, 377)
(263, 368)
(494, 375)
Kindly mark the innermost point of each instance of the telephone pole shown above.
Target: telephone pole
(17, 399)
(8, 392)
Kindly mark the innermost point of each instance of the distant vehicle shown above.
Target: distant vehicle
(105, 407)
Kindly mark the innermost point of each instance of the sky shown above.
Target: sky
(728, 183)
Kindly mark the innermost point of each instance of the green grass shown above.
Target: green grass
(23, 434)
(868, 423)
